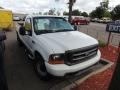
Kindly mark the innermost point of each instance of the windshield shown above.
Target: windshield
(51, 25)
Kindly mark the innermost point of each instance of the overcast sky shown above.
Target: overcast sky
(29, 6)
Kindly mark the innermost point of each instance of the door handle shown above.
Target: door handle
(33, 42)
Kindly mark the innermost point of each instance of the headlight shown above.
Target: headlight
(56, 59)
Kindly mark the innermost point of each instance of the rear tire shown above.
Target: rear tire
(40, 68)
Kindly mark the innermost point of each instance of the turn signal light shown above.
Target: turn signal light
(56, 61)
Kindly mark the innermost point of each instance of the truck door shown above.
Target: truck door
(28, 37)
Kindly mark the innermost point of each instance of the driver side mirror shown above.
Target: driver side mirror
(22, 31)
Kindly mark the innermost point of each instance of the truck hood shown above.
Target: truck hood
(62, 41)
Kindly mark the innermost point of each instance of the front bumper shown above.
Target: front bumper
(63, 69)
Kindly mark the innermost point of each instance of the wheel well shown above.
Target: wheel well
(37, 53)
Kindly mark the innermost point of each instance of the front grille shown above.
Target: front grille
(80, 55)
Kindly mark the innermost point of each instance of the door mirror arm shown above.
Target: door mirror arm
(74, 26)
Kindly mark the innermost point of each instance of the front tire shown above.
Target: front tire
(40, 68)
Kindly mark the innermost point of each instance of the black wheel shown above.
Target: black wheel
(40, 68)
(29, 57)
(19, 41)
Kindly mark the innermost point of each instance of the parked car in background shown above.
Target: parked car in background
(106, 20)
(6, 19)
(16, 18)
(80, 20)
(100, 21)
(95, 20)
(55, 47)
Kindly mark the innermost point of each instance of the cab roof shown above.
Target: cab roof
(32, 16)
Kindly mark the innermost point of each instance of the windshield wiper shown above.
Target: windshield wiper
(43, 31)
(52, 31)
(63, 30)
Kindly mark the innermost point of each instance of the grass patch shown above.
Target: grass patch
(102, 43)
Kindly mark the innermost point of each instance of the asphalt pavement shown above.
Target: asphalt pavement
(98, 31)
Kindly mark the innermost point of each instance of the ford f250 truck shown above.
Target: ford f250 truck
(55, 47)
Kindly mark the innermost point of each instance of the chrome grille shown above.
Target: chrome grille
(80, 55)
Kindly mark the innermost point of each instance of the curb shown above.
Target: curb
(78, 82)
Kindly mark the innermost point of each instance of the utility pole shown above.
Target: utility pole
(71, 2)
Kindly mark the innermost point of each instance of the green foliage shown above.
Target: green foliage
(115, 13)
(84, 14)
(102, 43)
(51, 12)
(107, 14)
(100, 12)
(76, 12)
(93, 14)
(97, 13)
(65, 13)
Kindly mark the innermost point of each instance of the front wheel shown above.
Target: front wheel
(40, 68)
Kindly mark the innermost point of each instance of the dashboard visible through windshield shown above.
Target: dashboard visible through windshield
(51, 25)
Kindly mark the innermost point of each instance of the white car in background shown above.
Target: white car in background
(16, 18)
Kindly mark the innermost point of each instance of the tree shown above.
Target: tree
(71, 2)
(84, 14)
(101, 11)
(65, 13)
(115, 14)
(51, 12)
(58, 13)
(105, 4)
(1, 8)
(45, 13)
(93, 14)
(40, 13)
(76, 12)
(98, 12)
(107, 14)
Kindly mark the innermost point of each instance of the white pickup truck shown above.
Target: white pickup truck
(56, 47)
